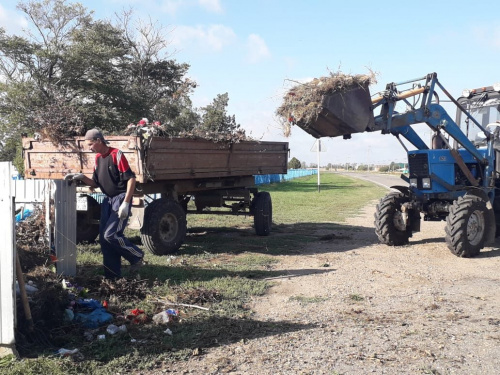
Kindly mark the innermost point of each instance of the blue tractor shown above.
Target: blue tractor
(453, 177)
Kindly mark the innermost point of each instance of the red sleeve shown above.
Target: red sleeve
(121, 161)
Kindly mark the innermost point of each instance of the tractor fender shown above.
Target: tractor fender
(403, 189)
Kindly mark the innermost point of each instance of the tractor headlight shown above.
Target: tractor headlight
(426, 183)
(466, 93)
(413, 182)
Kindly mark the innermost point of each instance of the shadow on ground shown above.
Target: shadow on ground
(284, 239)
(149, 341)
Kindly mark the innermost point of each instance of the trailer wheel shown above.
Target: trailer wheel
(164, 227)
(87, 222)
(262, 208)
(389, 225)
(467, 226)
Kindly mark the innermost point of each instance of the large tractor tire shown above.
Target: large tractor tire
(87, 222)
(389, 225)
(262, 209)
(467, 226)
(164, 228)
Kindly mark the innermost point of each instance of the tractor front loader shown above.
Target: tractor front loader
(454, 177)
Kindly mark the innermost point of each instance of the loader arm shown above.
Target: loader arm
(436, 118)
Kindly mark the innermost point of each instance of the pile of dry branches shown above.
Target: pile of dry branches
(197, 295)
(303, 102)
(226, 137)
(124, 289)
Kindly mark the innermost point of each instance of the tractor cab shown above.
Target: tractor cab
(483, 104)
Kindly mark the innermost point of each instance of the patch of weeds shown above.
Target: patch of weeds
(254, 260)
(356, 297)
(303, 300)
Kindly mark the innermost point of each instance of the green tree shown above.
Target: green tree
(214, 118)
(70, 72)
(294, 163)
(157, 84)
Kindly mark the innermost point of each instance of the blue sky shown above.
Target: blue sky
(253, 49)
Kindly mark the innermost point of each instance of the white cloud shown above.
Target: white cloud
(213, 37)
(211, 5)
(173, 6)
(11, 22)
(256, 49)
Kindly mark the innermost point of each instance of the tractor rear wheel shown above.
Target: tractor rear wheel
(164, 228)
(389, 224)
(262, 209)
(87, 222)
(467, 226)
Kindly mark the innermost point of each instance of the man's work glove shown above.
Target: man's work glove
(74, 176)
(123, 210)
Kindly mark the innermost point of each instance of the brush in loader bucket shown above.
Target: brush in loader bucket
(343, 113)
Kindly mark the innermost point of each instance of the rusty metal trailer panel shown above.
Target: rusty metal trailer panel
(159, 159)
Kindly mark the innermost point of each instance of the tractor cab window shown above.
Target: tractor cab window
(484, 111)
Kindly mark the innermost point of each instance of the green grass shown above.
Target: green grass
(221, 257)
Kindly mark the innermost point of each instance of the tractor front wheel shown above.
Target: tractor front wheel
(390, 225)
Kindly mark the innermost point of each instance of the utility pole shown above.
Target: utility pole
(317, 152)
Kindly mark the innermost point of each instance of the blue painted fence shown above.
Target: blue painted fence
(292, 173)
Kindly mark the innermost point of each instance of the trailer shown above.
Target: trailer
(170, 172)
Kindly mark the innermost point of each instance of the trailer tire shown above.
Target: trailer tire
(262, 208)
(164, 228)
(389, 226)
(87, 222)
(467, 226)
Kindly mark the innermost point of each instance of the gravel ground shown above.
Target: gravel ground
(352, 306)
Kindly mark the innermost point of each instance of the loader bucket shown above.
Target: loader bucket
(343, 113)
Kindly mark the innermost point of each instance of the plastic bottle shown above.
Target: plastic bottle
(112, 329)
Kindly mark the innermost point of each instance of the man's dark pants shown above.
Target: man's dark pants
(114, 245)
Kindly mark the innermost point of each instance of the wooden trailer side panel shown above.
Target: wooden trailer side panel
(45, 160)
(159, 159)
(183, 158)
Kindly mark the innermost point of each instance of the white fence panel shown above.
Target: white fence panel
(7, 255)
(22, 193)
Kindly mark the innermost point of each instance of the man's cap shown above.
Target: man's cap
(94, 134)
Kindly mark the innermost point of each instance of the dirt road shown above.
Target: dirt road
(352, 306)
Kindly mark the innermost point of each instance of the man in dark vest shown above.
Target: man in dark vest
(112, 174)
